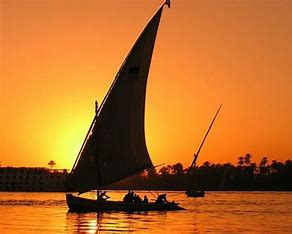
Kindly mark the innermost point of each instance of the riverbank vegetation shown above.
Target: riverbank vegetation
(246, 175)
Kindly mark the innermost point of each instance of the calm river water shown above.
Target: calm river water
(218, 212)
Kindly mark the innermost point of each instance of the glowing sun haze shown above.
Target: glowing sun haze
(58, 57)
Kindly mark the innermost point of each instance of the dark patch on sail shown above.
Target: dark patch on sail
(134, 70)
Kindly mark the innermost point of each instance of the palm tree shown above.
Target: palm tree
(177, 169)
(276, 166)
(247, 158)
(240, 161)
(263, 162)
(51, 163)
(263, 166)
(165, 170)
(206, 164)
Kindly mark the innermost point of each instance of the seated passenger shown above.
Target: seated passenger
(129, 197)
(137, 198)
(103, 196)
(161, 198)
(145, 200)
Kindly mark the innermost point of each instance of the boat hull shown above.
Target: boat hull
(195, 193)
(79, 204)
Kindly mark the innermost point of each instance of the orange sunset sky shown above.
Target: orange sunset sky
(59, 56)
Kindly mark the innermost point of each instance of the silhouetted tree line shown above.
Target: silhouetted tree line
(246, 175)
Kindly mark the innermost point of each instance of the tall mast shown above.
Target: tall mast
(97, 166)
(197, 154)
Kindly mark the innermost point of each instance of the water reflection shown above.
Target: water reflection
(235, 212)
(98, 222)
(83, 223)
(143, 222)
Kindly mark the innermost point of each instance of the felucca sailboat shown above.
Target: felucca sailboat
(114, 147)
(193, 192)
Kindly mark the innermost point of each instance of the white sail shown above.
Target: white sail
(115, 146)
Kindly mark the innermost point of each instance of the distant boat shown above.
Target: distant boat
(114, 147)
(192, 191)
(195, 193)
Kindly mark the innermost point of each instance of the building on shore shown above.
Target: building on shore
(33, 179)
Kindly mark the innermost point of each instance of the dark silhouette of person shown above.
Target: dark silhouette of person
(161, 198)
(137, 198)
(103, 196)
(145, 200)
(129, 197)
(126, 197)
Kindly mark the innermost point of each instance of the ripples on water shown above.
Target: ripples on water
(218, 212)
